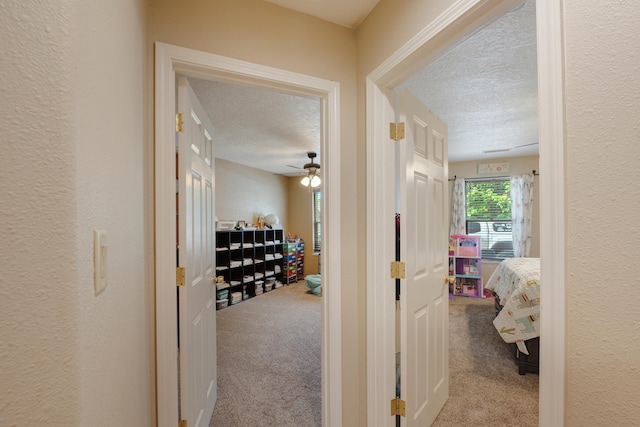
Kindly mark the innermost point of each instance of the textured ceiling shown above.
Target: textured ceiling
(485, 89)
(260, 128)
(348, 13)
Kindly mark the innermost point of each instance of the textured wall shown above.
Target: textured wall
(244, 193)
(38, 331)
(115, 328)
(603, 149)
(73, 138)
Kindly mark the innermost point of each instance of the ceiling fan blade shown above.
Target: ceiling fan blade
(295, 167)
(502, 150)
(525, 145)
(499, 150)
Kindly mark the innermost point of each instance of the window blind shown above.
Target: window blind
(317, 221)
(488, 214)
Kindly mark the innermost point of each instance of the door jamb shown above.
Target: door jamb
(170, 60)
(459, 21)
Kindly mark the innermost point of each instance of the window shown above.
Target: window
(488, 206)
(317, 218)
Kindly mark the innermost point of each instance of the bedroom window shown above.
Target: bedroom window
(488, 207)
(317, 218)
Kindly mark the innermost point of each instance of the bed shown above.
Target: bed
(516, 286)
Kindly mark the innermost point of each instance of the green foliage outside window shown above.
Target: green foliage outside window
(488, 200)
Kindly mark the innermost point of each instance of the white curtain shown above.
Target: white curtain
(458, 211)
(521, 212)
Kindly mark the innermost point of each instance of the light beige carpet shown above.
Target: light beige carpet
(269, 365)
(485, 387)
(269, 360)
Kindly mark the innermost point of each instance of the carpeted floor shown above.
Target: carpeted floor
(269, 365)
(269, 361)
(485, 387)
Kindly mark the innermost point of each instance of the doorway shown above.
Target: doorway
(173, 60)
(485, 90)
(380, 194)
(261, 139)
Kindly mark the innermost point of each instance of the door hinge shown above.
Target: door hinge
(179, 122)
(180, 276)
(398, 407)
(396, 131)
(397, 270)
(182, 423)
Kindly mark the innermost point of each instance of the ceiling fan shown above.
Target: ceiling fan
(312, 178)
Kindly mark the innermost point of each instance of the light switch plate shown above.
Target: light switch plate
(99, 261)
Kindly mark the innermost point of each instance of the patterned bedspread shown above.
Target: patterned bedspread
(516, 281)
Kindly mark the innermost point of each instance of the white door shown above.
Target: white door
(196, 253)
(424, 297)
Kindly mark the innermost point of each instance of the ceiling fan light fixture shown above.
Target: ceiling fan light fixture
(312, 179)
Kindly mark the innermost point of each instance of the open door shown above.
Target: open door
(196, 254)
(424, 295)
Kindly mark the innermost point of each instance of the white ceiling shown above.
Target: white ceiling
(261, 128)
(485, 89)
(348, 13)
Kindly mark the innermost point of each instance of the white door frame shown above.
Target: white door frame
(462, 19)
(169, 61)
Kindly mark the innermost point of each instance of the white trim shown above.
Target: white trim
(165, 232)
(460, 21)
(171, 60)
(381, 209)
(552, 211)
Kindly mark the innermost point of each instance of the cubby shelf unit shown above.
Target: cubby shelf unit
(247, 259)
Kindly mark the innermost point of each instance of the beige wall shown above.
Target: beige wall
(519, 166)
(262, 33)
(387, 28)
(38, 331)
(244, 193)
(73, 138)
(115, 340)
(300, 209)
(602, 176)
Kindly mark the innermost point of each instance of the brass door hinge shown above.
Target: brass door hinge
(182, 423)
(398, 407)
(180, 276)
(179, 123)
(397, 270)
(396, 131)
